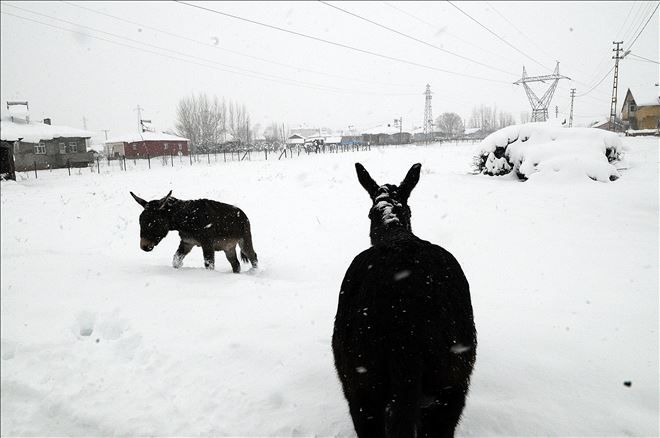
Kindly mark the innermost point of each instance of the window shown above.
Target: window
(180, 147)
(632, 107)
(62, 148)
(134, 147)
(166, 145)
(73, 147)
(40, 148)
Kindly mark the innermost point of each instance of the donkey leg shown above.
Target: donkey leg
(209, 256)
(441, 416)
(233, 260)
(184, 249)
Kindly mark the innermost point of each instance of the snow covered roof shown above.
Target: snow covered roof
(382, 129)
(646, 95)
(33, 132)
(145, 136)
(333, 140)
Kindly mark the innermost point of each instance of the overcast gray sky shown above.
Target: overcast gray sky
(70, 61)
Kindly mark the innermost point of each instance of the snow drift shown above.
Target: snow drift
(536, 148)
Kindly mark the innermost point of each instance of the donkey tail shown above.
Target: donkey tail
(245, 243)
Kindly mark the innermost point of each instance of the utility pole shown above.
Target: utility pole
(556, 111)
(139, 111)
(570, 118)
(106, 132)
(615, 85)
(84, 123)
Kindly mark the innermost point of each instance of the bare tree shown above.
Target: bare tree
(450, 124)
(271, 133)
(489, 119)
(525, 117)
(505, 119)
(201, 120)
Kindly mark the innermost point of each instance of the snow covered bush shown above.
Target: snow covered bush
(534, 148)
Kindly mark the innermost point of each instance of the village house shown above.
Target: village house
(641, 108)
(295, 140)
(146, 144)
(42, 145)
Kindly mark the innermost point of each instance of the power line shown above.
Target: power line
(629, 47)
(643, 59)
(599, 82)
(249, 73)
(405, 35)
(632, 6)
(496, 35)
(334, 43)
(236, 52)
(638, 19)
(645, 24)
(435, 27)
(518, 29)
(166, 49)
(527, 36)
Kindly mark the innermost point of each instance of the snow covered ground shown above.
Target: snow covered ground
(100, 338)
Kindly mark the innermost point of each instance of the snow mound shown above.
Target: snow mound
(533, 149)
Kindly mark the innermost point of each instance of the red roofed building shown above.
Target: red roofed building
(145, 144)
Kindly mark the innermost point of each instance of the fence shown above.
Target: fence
(123, 164)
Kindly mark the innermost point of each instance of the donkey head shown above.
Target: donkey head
(154, 222)
(390, 202)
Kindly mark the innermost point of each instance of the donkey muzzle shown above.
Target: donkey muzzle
(146, 245)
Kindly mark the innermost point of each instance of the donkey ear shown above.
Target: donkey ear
(139, 200)
(163, 202)
(365, 180)
(410, 181)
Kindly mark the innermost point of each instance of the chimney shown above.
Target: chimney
(47, 121)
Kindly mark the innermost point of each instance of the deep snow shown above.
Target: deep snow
(100, 338)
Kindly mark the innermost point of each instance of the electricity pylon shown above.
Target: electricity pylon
(428, 115)
(540, 106)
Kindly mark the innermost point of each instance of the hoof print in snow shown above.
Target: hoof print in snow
(85, 323)
(86, 331)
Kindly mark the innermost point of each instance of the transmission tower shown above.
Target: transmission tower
(428, 115)
(540, 106)
(615, 86)
(570, 118)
